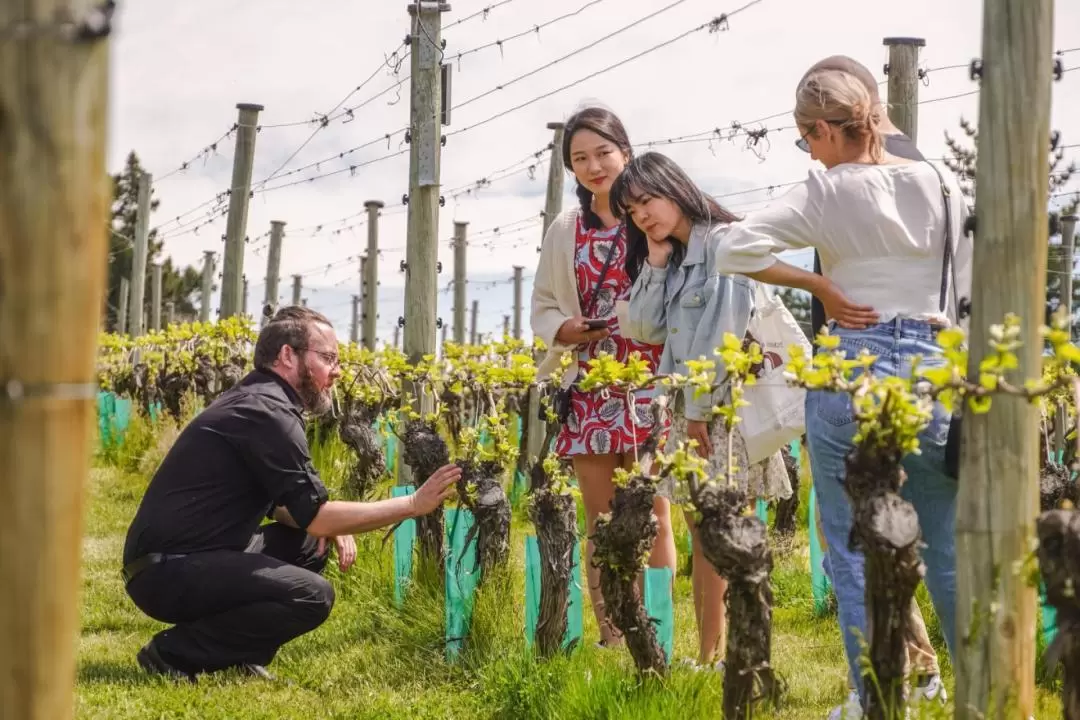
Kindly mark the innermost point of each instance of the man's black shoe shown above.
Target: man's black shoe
(257, 671)
(152, 662)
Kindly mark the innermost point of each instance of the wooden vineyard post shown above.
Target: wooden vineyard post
(370, 310)
(207, 285)
(461, 256)
(903, 72)
(54, 200)
(125, 295)
(232, 289)
(155, 296)
(273, 270)
(473, 339)
(517, 301)
(297, 289)
(999, 464)
(136, 310)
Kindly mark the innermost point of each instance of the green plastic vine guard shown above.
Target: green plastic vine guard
(114, 416)
(762, 509)
(659, 606)
(404, 542)
(819, 581)
(519, 487)
(1049, 612)
(389, 440)
(574, 617)
(462, 576)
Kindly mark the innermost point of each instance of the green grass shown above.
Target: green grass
(373, 660)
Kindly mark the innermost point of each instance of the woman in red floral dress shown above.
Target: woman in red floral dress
(582, 275)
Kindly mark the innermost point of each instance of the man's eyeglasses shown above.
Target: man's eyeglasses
(331, 359)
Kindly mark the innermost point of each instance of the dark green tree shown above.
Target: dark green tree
(798, 302)
(962, 160)
(177, 285)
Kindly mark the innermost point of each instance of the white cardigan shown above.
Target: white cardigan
(555, 296)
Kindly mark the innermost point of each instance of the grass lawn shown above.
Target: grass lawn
(372, 660)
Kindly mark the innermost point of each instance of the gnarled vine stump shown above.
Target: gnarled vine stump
(1059, 562)
(886, 530)
(357, 431)
(787, 509)
(424, 450)
(481, 491)
(622, 541)
(737, 546)
(555, 518)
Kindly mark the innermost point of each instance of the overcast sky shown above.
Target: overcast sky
(180, 68)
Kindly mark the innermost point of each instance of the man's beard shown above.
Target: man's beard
(317, 403)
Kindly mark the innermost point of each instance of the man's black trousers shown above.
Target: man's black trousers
(231, 608)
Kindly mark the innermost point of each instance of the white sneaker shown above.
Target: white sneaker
(850, 710)
(933, 689)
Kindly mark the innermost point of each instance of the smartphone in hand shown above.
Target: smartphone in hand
(595, 323)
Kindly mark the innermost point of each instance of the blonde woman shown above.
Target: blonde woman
(580, 280)
(879, 224)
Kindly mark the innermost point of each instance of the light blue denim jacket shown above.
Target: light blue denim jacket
(689, 308)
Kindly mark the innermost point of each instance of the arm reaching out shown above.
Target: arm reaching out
(349, 518)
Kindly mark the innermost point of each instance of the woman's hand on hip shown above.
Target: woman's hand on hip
(575, 332)
(846, 313)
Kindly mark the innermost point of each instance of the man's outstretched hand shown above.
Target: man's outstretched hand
(438, 488)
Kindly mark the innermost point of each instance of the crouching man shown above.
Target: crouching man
(197, 555)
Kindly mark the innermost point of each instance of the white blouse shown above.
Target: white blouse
(880, 232)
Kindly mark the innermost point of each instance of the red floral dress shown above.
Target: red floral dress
(601, 422)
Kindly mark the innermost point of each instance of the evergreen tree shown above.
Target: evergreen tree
(177, 285)
(962, 161)
(798, 302)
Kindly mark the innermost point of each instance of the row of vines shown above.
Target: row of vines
(475, 413)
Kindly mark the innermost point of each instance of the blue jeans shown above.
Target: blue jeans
(830, 427)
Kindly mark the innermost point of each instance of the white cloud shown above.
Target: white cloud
(180, 68)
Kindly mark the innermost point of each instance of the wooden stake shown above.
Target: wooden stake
(472, 321)
(354, 328)
(903, 72)
(297, 288)
(370, 289)
(273, 267)
(999, 473)
(422, 248)
(125, 295)
(461, 254)
(138, 261)
(207, 285)
(155, 296)
(517, 301)
(54, 202)
(236, 228)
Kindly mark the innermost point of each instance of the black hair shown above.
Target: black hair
(290, 326)
(657, 175)
(607, 125)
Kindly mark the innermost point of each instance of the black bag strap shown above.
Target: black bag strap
(603, 274)
(948, 266)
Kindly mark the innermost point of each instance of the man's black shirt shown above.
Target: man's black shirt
(238, 459)
(901, 146)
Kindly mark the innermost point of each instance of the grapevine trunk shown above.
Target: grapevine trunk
(622, 541)
(737, 546)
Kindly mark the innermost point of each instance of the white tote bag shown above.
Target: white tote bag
(775, 415)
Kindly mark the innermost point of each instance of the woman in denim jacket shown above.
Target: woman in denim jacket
(680, 300)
